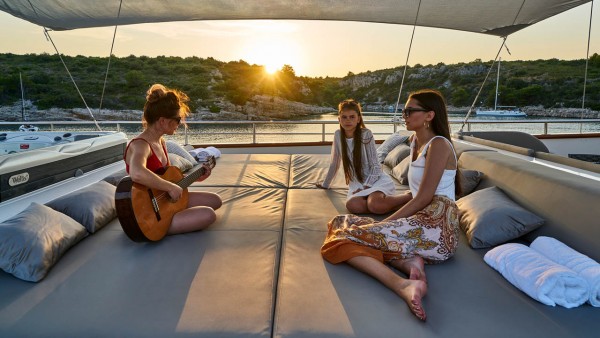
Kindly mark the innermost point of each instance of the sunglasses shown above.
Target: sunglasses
(407, 111)
(176, 119)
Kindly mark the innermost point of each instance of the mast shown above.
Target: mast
(22, 98)
(497, 82)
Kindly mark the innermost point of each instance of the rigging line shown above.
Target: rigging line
(481, 87)
(405, 66)
(587, 59)
(488, 74)
(109, 57)
(49, 38)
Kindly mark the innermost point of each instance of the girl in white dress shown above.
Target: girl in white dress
(425, 228)
(369, 189)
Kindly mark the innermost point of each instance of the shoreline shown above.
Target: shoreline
(251, 112)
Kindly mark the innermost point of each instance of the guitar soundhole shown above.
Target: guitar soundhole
(154, 204)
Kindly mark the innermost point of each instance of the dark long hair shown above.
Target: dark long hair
(434, 100)
(356, 166)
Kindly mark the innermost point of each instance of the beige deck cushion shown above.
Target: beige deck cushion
(306, 170)
(250, 170)
(203, 284)
(248, 208)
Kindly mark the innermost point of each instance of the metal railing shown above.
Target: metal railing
(255, 130)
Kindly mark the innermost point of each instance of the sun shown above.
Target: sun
(272, 68)
(272, 53)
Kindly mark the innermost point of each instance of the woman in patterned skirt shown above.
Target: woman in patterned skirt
(425, 228)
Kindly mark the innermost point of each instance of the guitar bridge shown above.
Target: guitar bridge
(154, 204)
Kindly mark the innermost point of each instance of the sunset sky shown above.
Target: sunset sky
(312, 48)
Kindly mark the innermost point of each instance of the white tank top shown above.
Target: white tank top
(417, 168)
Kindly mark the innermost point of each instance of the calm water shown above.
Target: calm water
(299, 132)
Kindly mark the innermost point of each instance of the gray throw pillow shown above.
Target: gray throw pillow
(390, 143)
(116, 177)
(92, 206)
(180, 162)
(397, 155)
(400, 171)
(34, 240)
(469, 180)
(489, 217)
(174, 148)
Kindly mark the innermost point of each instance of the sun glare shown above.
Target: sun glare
(272, 68)
(272, 53)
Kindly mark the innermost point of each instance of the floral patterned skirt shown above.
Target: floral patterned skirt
(431, 233)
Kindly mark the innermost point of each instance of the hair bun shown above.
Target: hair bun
(156, 92)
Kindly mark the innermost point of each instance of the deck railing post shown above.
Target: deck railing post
(545, 128)
(323, 132)
(253, 133)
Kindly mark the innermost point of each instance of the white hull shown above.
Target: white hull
(505, 113)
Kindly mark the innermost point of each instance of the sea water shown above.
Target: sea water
(301, 130)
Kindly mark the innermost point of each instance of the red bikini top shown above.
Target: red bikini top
(152, 162)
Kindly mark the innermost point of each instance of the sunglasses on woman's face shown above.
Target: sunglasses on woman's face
(407, 111)
(176, 119)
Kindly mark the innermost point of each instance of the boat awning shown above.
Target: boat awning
(492, 17)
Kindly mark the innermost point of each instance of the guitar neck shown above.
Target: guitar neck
(194, 174)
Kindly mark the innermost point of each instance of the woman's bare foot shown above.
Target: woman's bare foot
(413, 267)
(412, 291)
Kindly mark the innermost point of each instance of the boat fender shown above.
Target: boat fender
(57, 138)
(2, 137)
(67, 135)
(78, 173)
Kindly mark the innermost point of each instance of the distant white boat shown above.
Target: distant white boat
(508, 111)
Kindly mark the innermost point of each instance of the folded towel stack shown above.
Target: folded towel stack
(202, 154)
(539, 277)
(584, 266)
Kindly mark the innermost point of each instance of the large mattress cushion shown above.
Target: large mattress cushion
(202, 284)
(247, 208)
(249, 170)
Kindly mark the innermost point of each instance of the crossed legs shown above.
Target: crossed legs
(199, 214)
(376, 203)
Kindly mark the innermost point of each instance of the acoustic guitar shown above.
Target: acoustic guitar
(146, 214)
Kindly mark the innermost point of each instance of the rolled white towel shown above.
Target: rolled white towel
(200, 154)
(214, 151)
(584, 266)
(539, 277)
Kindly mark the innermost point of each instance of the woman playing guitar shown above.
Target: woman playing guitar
(146, 159)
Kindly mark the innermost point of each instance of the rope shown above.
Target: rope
(587, 59)
(488, 74)
(109, 57)
(49, 38)
(405, 67)
(481, 87)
